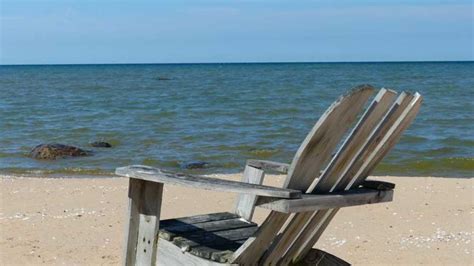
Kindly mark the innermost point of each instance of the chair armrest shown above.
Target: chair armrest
(160, 176)
(314, 202)
(269, 165)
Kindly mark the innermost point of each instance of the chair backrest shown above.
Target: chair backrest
(317, 148)
(312, 155)
(375, 134)
(316, 154)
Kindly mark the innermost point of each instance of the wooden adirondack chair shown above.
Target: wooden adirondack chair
(326, 174)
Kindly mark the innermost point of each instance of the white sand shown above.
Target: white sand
(81, 221)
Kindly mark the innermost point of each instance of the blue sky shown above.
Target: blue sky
(68, 31)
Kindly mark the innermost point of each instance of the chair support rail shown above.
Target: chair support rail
(314, 202)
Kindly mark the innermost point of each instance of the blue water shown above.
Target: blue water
(221, 113)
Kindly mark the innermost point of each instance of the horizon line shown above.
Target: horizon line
(250, 62)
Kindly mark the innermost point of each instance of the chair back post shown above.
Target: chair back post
(245, 203)
(144, 207)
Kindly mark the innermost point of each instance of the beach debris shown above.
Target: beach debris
(101, 144)
(53, 151)
(440, 236)
(195, 165)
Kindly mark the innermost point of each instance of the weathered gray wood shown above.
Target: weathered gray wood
(170, 254)
(250, 252)
(212, 239)
(318, 146)
(310, 158)
(170, 232)
(201, 218)
(132, 222)
(161, 176)
(385, 130)
(144, 216)
(311, 202)
(386, 145)
(245, 203)
(332, 174)
(384, 138)
(307, 224)
(220, 254)
(269, 165)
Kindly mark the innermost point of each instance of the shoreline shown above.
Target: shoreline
(80, 220)
(216, 174)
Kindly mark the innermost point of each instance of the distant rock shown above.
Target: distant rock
(163, 78)
(196, 165)
(101, 144)
(53, 151)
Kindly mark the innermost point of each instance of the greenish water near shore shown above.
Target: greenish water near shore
(168, 115)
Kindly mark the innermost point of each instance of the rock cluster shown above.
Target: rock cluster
(53, 151)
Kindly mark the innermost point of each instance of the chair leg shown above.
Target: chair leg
(143, 223)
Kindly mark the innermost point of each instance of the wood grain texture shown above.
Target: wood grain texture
(245, 203)
(319, 144)
(385, 137)
(357, 139)
(170, 232)
(144, 216)
(313, 154)
(201, 218)
(307, 225)
(171, 254)
(156, 175)
(328, 201)
(333, 172)
(213, 236)
(269, 165)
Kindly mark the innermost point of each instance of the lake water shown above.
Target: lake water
(221, 113)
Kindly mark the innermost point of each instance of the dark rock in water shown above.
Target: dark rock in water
(55, 151)
(101, 144)
(196, 165)
(163, 78)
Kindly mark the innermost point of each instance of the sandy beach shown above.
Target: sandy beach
(81, 221)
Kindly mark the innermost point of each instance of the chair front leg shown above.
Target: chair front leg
(144, 207)
(245, 203)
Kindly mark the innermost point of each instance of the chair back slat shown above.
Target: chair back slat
(376, 111)
(319, 144)
(311, 157)
(384, 138)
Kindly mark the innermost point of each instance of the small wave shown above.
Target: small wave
(459, 164)
(454, 166)
(458, 142)
(93, 87)
(263, 153)
(436, 152)
(60, 171)
(158, 163)
(413, 139)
